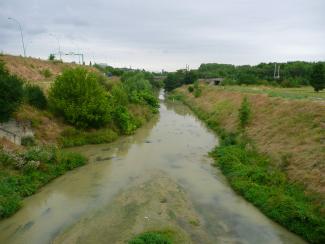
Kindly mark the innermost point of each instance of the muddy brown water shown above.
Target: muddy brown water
(159, 178)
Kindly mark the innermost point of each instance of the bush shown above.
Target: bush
(124, 120)
(28, 141)
(244, 113)
(190, 89)
(35, 96)
(151, 238)
(11, 93)
(197, 89)
(317, 79)
(46, 73)
(80, 99)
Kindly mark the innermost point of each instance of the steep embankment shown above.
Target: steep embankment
(292, 132)
(36, 71)
(281, 148)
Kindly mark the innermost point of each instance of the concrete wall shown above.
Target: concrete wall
(14, 130)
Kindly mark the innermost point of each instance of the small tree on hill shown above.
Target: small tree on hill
(11, 93)
(51, 57)
(317, 79)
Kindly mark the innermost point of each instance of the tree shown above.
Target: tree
(11, 93)
(80, 99)
(317, 78)
(51, 57)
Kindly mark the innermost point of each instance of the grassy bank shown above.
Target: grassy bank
(254, 173)
(22, 174)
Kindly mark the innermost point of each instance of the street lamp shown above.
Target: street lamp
(21, 34)
(58, 44)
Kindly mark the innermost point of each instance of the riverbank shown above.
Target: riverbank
(270, 163)
(94, 110)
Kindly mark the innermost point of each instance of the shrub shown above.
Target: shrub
(28, 141)
(46, 73)
(11, 93)
(197, 89)
(317, 79)
(190, 89)
(124, 120)
(35, 96)
(80, 99)
(244, 113)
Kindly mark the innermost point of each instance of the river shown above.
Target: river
(159, 178)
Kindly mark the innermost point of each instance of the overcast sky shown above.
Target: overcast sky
(167, 34)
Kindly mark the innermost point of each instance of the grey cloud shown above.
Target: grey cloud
(168, 34)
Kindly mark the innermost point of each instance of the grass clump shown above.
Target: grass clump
(23, 174)
(244, 113)
(74, 137)
(152, 237)
(46, 73)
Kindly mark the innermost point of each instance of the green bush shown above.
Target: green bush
(46, 73)
(317, 78)
(190, 89)
(197, 89)
(244, 113)
(151, 238)
(11, 93)
(28, 141)
(80, 99)
(35, 96)
(124, 120)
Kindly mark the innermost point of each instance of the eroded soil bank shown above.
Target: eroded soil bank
(159, 178)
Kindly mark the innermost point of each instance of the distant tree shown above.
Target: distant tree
(11, 93)
(51, 57)
(317, 78)
(190, 77)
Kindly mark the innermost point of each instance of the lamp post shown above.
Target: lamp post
(58, 44)
(21, 34)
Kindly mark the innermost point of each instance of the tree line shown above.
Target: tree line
(290, 74)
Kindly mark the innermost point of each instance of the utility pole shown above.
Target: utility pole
(21, 34)
(57, 39)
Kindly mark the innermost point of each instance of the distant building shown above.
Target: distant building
(212, 81)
